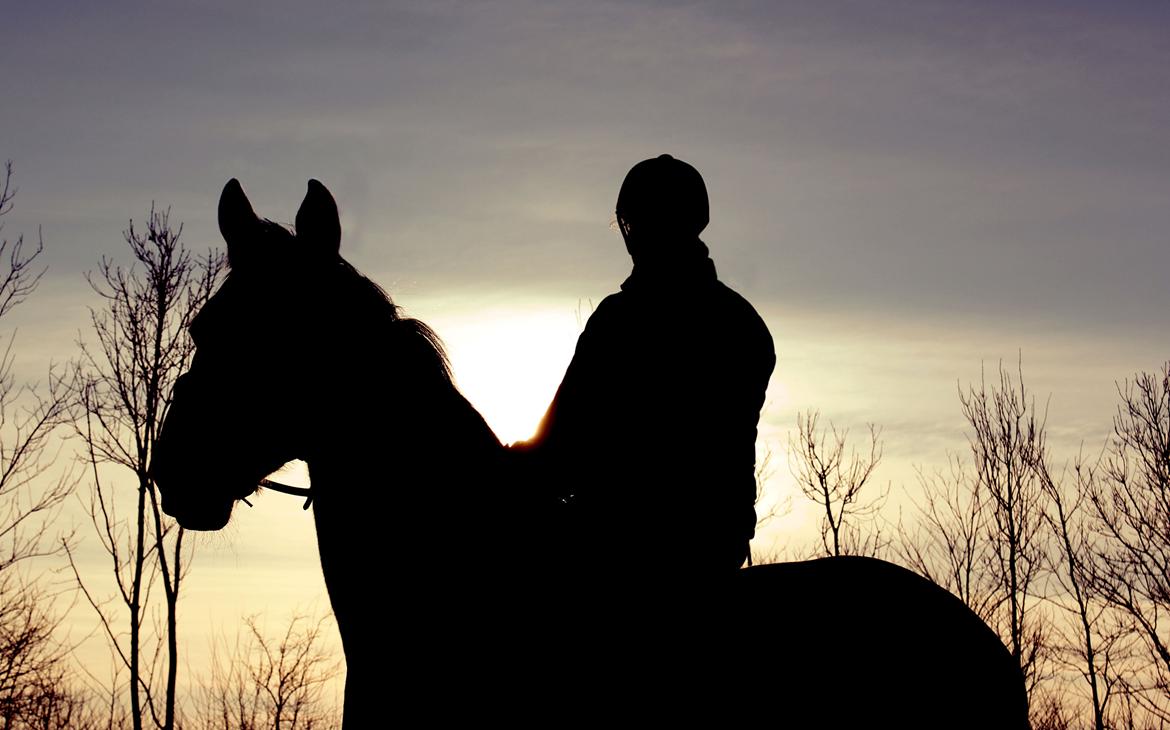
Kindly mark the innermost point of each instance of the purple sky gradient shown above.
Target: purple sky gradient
(981, 160)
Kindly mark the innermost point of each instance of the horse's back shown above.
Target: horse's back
(905, 649)
(836, 643)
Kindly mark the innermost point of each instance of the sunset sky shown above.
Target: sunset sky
(906, 191)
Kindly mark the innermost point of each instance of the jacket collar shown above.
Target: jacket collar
(688, 265)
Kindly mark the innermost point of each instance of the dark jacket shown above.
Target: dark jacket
(651, 435)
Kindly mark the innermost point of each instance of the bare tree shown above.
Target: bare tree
(32, 662)
(833, 476)
(267, 681)
(981, 530)
(1007, 440)
(774, 508)
(1091, 642)
(948, 544)
(1131, 502)
(123, 386)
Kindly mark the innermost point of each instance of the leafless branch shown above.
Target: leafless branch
(122, 383)
(271, 681)
(33, 686)
(833, 476)
(1007, 440)
(1131, 529)
(948, 544)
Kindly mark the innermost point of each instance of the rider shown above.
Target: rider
(652, 432)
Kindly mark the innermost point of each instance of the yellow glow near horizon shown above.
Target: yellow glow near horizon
(510, 361)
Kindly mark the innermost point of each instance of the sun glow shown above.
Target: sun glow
(510, 361)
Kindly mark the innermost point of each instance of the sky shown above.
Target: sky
(908, 192)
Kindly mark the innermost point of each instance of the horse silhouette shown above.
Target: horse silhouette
(433, 562)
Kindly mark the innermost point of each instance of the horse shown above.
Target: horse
(441, 597)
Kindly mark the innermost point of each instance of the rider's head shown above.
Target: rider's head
(662, 200)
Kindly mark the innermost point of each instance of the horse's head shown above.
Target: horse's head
(240, 412)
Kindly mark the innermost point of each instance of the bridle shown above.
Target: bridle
(305, 492)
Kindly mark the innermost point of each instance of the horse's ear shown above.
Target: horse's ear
(237, 221)
(318, 222)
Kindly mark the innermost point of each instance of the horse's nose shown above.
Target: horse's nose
(154, 467)
(159, 470)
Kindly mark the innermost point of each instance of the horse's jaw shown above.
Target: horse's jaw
(204, 522)
(205, 515)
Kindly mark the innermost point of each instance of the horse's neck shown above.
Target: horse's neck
(407, 485)
(402, 425)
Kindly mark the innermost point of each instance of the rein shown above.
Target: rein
(305, 492)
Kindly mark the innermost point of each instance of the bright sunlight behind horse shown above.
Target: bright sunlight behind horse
(510, 361)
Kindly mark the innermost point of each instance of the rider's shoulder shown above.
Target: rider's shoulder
(609, 309)
(735, 302)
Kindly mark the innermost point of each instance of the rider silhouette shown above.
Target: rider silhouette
(652, 432)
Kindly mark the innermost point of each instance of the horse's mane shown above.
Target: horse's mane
(414, 342)
(411, 337)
